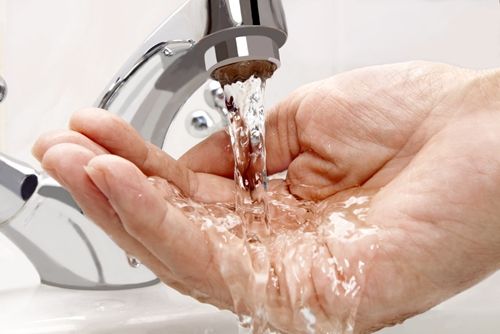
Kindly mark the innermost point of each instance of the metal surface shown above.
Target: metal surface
(165, 47)
(224, 31)
(23, 192)
(200, 124)
(214, 96)
(17, 183)
(3, 89)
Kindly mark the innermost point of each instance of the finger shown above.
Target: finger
(120, 138)
(64, 136)
(181, 244)
(65, 163)
(111, 132)
(214, 154)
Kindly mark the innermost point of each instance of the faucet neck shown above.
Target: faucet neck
(224, 14)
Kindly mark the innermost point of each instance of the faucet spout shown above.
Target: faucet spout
(219, 33)
(242, 30)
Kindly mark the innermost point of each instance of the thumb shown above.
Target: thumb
(214, 155)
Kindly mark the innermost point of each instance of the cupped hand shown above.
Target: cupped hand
(421, 138)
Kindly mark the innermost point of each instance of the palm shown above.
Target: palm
(412, 141)
(408, 143)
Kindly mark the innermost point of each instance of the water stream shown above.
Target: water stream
(291, 266)
(245, 115)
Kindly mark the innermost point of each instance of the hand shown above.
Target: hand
(423, 137)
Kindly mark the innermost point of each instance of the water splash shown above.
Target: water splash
(290, 265)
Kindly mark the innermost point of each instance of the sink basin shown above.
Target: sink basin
(159, 309)
(476, 310)
(26, 306)
(154, 309)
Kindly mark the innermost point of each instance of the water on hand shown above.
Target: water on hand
(290, 265)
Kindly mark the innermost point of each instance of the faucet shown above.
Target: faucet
(203, 39)
(41, 218)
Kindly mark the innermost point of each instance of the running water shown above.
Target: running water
(290, 265)
(245, 115)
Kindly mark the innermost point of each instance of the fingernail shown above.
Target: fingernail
(99, 178)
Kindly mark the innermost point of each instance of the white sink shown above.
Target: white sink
(159, 309)
(476, 310)
(26, 306)
(155, 309)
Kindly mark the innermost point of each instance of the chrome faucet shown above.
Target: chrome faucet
(67, 250)
(201, 37)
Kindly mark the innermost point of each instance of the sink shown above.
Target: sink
(154, 309)
(476, 310)
(26, 306)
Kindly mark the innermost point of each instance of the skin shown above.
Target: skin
(422, 137)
